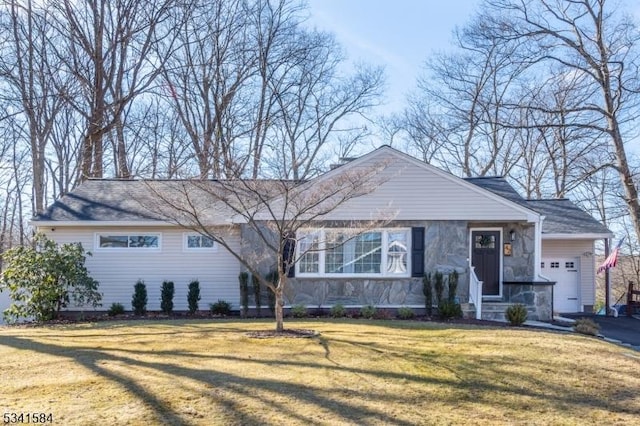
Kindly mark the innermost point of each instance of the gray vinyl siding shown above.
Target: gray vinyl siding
(412, 191)
(583, 249)
(117, 270)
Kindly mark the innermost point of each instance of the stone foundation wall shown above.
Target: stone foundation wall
(377, 292)
(536, 297)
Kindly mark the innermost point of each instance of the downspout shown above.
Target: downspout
(607, 280)
(538, 249)
(538, 257)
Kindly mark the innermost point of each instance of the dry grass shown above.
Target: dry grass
(356, 372)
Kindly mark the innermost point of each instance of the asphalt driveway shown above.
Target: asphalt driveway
(624, 328)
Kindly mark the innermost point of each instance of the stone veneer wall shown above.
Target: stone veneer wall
(536, 297)
(446, 250)
(520, 266)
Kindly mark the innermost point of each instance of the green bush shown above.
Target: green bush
(338, 311)
(42, 280)
(449, 310)
(427, 290)
(243, 278)
(193, 296)
(166, 297)
(439, 286)
(255, 283)
(586, 326)
(368, 311)
(271, 296)
(453, 286)
(115, 309)
(221, 307)
(273, 278)
(298, 311)
(139, 299)
(405, 312)
(516, 314)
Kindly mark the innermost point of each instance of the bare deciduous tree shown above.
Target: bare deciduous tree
(28, 73)
(590, 41)
(109, 49)
(269, 213)
(457, 117)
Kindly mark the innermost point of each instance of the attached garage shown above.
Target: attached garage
(565, 272)
(568, 247)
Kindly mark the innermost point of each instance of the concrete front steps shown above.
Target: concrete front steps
(492, 311)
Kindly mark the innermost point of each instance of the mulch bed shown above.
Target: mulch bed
(292, 333)
(260, 334)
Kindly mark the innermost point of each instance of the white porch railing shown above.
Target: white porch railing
(475, 291)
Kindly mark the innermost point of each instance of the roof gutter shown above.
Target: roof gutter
(585, 236)
(81, 223)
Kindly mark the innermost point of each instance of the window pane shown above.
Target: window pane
(349, 253)
(310, 256)
(368, 253)
(128, 241)
(199, 241)
(206, 242)
(334, 254)
(114, 241)
(193, 241)
(143, 241)
(485, 241)
(353, 255)
(397, 252)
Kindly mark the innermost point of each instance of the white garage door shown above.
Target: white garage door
(564, 271)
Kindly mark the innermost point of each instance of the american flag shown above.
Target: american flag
(612, 260)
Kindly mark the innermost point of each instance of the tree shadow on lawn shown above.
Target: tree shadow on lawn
(148, 328)
(92, 360)
(475, 381)
(479, 376)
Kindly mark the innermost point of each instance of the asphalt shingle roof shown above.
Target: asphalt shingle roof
(112, 200)
(498, 186)
(132, 200)
(562, 216)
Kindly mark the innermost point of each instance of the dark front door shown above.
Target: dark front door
(485, 257)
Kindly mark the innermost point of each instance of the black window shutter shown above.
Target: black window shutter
(417, 251)
(288, 256)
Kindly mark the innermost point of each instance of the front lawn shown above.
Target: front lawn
(357, 372)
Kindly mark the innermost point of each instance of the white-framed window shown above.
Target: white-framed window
(194, 241)
(347, 253)
(309, 248)
(118, 240)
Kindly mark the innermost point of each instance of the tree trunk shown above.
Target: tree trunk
(279, 306)
(122, 169)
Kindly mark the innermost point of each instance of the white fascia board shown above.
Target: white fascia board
(576, 236)
(54, 223)
(106, 223)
